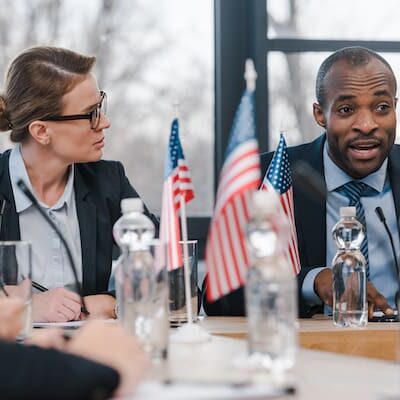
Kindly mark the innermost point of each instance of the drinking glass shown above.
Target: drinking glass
(15, 278)
(177, 297)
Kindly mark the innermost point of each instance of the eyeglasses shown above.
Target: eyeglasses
(93, 116)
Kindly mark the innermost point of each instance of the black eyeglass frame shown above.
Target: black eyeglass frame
(93, 116)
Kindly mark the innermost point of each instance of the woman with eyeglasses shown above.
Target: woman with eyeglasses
(57, 117)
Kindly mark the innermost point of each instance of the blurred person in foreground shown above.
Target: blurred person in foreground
(356, 105)
(57, 116)
(100, 360)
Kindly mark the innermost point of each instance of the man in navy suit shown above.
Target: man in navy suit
(356, 102)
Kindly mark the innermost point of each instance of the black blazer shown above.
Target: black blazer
(29, 372)
(99, 188)
(310, 217)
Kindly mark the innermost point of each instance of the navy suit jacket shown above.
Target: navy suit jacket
(99, 188)
(29, 372)
(310, 217)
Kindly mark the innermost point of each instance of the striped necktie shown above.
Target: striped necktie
(354, 191)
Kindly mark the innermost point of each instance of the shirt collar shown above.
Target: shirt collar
(336, 177)
(18, 171)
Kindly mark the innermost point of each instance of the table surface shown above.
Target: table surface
(377, 340)
(317, 375)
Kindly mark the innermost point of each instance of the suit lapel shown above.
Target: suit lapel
(10, 221)
(87, 217)
(310, 213)
(394, 174)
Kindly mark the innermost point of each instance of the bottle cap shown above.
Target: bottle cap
(131, 204)
(348, 211)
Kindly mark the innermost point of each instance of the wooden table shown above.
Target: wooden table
(377, 340)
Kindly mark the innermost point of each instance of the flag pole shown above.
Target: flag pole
(186, 267)
(250, 75)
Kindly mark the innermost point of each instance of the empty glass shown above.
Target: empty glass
(15, 278)
(177, 298)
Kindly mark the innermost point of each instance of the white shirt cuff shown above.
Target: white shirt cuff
(307, 290)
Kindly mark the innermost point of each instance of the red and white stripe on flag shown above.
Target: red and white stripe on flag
(286, 204)
(178, 184)
(182, 183)
(226, 253)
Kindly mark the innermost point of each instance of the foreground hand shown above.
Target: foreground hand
(11, 310)
(323, 286)
(376, 301)
(56, 305)
(111, 345)
(48, 338)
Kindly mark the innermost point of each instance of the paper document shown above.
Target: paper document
(197, 391)
(66, 325)
(63, 325)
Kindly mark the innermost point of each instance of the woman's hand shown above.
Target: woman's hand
(56, 305)
(11, 315)
(100, 306)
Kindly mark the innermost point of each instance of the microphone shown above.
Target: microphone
(381, 216)
(309, 181)
(21, 184)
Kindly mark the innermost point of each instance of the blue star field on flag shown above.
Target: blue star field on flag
(244, 126)
(175, 151)
(278, 173)
(280, 178)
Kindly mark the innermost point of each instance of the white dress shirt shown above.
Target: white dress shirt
(50, 264)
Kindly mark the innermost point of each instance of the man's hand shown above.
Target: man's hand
(376, 301)
(11, 311)
(56, 305)
(323, 286)
(110, 344)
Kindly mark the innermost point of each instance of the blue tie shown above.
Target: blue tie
(354, 191)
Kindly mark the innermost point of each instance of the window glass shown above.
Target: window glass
(291, 79)
(333, 19)
(149, 54)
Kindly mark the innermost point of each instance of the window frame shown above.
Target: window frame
(241, 28)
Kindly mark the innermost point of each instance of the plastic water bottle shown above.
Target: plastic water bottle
(350, 306)
(131, 232)
(133, 228)
(141, 280)
(271, 290)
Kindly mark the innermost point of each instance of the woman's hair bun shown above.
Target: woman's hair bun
(5, 123)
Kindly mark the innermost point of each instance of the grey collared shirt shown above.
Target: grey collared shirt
(381, 259)
(50, 264)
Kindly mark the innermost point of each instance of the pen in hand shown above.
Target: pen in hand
(39, 287)
(42, 289)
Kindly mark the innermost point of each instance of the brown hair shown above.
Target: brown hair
(35, 83)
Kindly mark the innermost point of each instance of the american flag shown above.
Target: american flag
(226, 253)
(279, 178)
(177, 184)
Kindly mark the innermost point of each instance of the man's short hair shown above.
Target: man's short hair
(355, 56)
